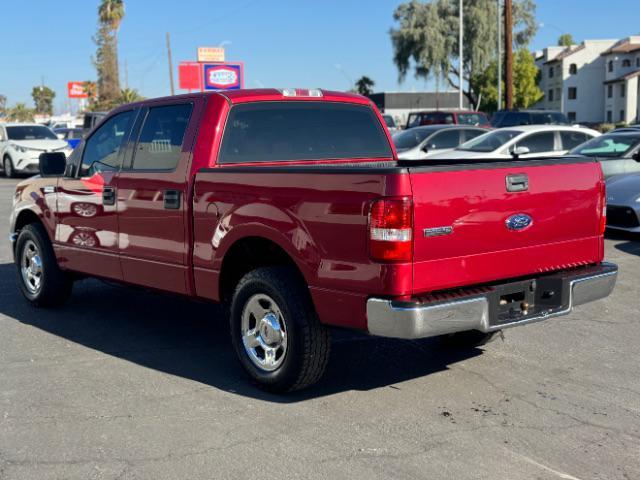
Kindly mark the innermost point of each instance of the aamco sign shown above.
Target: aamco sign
(223, 76)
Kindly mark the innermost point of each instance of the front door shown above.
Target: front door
(87, 227)
(153, 198)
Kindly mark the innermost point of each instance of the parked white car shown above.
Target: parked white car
(22, 143)
(419, 143)
(526, 141)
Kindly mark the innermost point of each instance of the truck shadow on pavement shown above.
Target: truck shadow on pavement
(632, 244)
(191, 340)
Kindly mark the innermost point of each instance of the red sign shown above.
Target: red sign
(190, 75)
(76, 90)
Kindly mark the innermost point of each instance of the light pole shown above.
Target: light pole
(460, 53)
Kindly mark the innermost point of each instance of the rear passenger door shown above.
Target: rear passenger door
(153, 196)
(446, 139)
(541, 144)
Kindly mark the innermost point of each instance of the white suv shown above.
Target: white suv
(22, 143)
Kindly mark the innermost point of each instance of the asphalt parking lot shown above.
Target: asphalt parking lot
(126, 384)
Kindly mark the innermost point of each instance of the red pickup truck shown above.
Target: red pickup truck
(292, 208)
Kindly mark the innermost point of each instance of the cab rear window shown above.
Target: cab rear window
(289, 131)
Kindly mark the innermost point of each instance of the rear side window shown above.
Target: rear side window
(572, 139)
(286, 131)
(539, 142)
(161, 137)
(445, 139)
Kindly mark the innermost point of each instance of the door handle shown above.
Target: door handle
(517, 183)
(109, 195)
(171, 199)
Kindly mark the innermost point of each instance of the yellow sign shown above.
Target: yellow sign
(210, 54)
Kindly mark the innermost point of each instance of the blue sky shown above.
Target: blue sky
(324, 43)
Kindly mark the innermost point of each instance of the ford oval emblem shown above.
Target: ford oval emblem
(519, 221)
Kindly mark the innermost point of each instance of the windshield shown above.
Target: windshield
(611, 145)
(472, 119)
(411, 138)
(30, 132)
(388, 119)
(489, 141)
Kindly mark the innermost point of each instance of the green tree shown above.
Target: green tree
(565, 40)
(110, 15)
(364, 85)
(525, 80)
(43, 99)
(20, 113)
(426, 39)
(129, 95)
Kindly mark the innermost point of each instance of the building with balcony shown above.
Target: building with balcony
(595, 81)
(621, 84)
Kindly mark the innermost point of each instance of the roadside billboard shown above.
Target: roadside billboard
(223, 76)
(210, 54)
(76, 90)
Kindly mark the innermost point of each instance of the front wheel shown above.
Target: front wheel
(41, 281)
(9, 171)
(275, 330)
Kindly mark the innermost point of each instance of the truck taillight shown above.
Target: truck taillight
(603, 207)
(391, 229)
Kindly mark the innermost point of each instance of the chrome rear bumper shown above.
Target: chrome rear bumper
(418, 319)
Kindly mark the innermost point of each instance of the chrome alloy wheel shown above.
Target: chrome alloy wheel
(31, 267)
(264, 332)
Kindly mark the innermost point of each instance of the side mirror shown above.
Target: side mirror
(53, 164)
(427, 147)
(517, 151)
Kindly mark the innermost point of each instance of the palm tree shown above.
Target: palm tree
(364, 86)
(129, 95)
(20, 113)
(110, 15)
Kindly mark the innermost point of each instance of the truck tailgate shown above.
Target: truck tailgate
(561, 201)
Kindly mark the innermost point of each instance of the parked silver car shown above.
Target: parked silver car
(618, 152)
(423, 142)
(623, 202)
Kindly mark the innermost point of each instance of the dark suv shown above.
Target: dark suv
(514, 118)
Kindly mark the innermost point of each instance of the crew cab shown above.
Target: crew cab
(291, 207)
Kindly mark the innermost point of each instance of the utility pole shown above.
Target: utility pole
(460, 53)
(508, 47)
(499, 9)
(126, 74)
(170, 63)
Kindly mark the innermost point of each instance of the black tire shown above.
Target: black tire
(307, 341)
(469, 339)
(7, 165)
(55, 285)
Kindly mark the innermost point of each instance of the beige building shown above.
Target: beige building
(621, 85)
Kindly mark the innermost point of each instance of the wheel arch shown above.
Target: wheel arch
(248, 253)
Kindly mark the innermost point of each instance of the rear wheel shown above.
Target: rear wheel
(41, 281)
(275, 330)
(7, 164)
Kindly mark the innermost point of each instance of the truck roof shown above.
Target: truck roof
(271, 95)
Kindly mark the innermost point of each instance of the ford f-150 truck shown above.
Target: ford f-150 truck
(291, 207)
